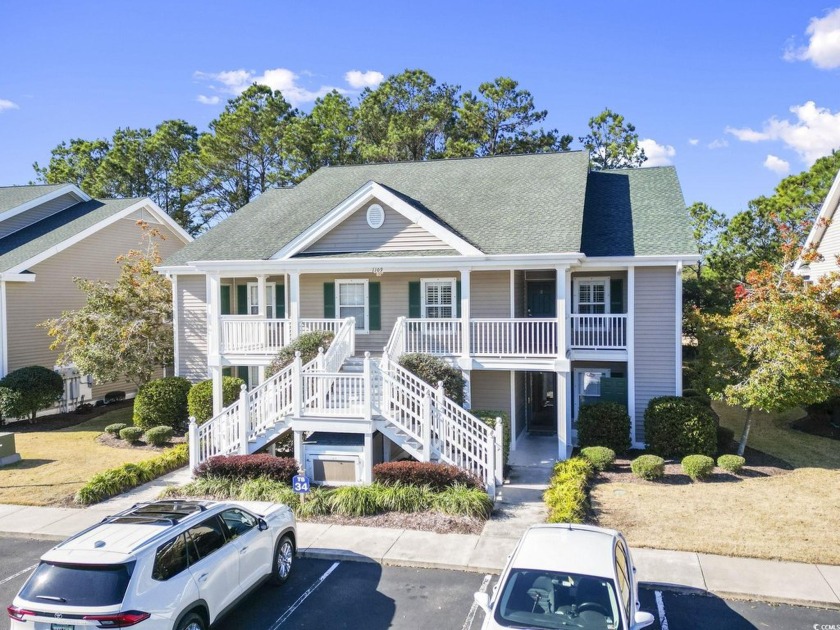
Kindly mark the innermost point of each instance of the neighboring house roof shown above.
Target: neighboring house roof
(24, 244)
(525, 204)
(14, 196)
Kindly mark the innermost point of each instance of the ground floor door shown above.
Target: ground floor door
(541, 409)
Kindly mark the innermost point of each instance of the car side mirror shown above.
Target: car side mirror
(262, 525)
(483, 601)
(641, 620)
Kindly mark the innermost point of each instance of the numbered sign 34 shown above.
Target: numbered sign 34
(300, 484)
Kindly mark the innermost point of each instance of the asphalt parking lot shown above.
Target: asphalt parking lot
(353, 595)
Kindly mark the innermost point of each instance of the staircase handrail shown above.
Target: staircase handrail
(342, 347)
(395, 347)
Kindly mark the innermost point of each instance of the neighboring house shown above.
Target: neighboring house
(824, 238)
(550, 286)
(48, 236)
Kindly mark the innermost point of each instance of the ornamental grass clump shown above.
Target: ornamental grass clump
(698, 467)
(731, 463)
(648, 467)
(600, 457)
(463, 500)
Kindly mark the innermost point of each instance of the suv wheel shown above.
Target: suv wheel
(284, 555)
(192, 621)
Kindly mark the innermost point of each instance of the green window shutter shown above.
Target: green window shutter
(457, 298)
(414, 302)
(225, 299)
(617, 295)
(242, 299)
(280, 301)
(329, 300)
(375, 306)
(227, 371)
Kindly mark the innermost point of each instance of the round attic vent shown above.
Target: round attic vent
(375, 216)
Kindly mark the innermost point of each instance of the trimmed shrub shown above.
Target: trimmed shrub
(697, 395)
(131, 434)
(307, 344)
(698, 466)
(566, 496)
(725, 438)
(249, 467)
(112, 397)
(162, 403)
(648, 467)
(24, 392)
(600, 457)
(677, 426)
(604, 424)
(117, 480)
(200, 397)
(731, 463)
(83, 408)
(437, 476)
(431, 369)
(114, 429)
(489, 418)
(158, 436)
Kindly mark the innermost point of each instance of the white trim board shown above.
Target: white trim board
(354, 202)
(146, 204)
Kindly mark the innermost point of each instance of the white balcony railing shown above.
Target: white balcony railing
(251, 335)
(433, 336)
(598, 331)
(513, 337)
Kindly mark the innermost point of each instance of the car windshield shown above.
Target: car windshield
(78, 584)
(547, 599)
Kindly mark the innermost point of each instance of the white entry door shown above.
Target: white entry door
(588, 386)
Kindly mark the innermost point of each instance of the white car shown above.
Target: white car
(566, 576)
(158, 566)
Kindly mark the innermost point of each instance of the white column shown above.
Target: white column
(465, 314)
(261, 305)
(512, 293)
(512, 410)
(467, 389)
(367, 469)
(298, 448)
(562, 283)
(214, 314)
(631, 350)
(176, 315)
(564, 414)
(218, 396)
(678, 332)
(294, 302)
(244, 420)
(260, 376)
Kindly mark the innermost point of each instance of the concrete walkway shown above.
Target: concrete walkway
(519, 507)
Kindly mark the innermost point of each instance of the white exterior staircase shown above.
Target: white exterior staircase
(337, 386)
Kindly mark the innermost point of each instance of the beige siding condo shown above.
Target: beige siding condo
(548, 285)
(48, 236)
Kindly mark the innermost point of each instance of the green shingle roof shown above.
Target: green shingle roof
(22, 245)
(14, 196)
(524, 204)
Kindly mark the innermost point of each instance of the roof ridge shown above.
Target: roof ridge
(34, 185)
(453, 159)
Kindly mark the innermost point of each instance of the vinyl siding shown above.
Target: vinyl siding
(655, 342)
(489, 294)
(191, 307)
(33, 215)
(397, 233)
(490, 390)
(54, 291)
(829, 249)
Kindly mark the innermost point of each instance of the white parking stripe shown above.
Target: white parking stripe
(300, 599)
(474, 608)
(21, 572)
(660, 608)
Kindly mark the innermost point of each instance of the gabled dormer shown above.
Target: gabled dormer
(22, 206)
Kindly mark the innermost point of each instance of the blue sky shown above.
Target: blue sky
(735, 94)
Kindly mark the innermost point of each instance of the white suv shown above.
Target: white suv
(164, 565)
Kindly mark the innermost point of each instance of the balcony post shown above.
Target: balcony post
(261, 305)
(631, 349)
(563, 309)
(564, 414)
(294, 303)
(498, 446)
(218, 396)
(297, 387)
(193, 445)
(465, 315)
(368, 388)
(214, 316)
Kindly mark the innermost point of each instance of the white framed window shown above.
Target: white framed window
(592, 295)
(253, 299)
(351, 300)
(588, 386)
(438, 298)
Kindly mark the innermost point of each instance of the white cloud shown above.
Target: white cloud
(358, 80)
(657, 154)
(823, 49)
(815, 133)
(718, 143)
(6, 104)
(207, 100)
(693, 141)
(237, 81)
(777, 165)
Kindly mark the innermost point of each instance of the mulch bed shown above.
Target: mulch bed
(423, 521)
(62, 420)
(758, 465)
